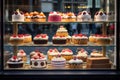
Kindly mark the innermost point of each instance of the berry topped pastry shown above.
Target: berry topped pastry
(18, 15)
(15, 62)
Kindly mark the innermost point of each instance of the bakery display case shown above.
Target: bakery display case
(59, 35)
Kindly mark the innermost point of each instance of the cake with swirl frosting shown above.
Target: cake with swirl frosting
(84, 16)
(54, 17)
(82, 54)
(100, 16)
(79, 39)
(15, 62)
(21, 53)
(52, 53)
(70, 17)
(18, 16)
(75, 63)
(38, 16)
(38, 60)
(67, 53)
(58, 62)
(40, 39)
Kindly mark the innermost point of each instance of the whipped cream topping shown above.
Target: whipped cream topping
(61, 29)
(21, 53)
(41, 36)
(100, 16)
(82, 54)
(15, 59)
(58, 59)
(16, 37)
(96, 54)
(75, 61)
(66, 52)
(58, 37)
(53, 52)
(54, 13)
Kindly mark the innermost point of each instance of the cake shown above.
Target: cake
(38, 61)
(92, 38)
(27, 17)
(27, 38)
(96, 53)
(79, 39)
(110, 16)
(54, 17)
(75, 63)
(52, 53)
(82, 54)
(98, 63)
(17, 39)
(103, 40)
(68, 40)
(100, 16)
(15, 62)
(62, 31)
(18, 16)
(59, 39)
(84, 16)
(58, 62)
(70, 17)
(40, 39)
(67, 53)
(64, 17)
(21, 53)
(34, 53)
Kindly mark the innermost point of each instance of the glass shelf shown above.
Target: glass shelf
(60, 22)
(63, 45)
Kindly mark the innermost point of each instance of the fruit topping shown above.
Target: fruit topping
(84, 13)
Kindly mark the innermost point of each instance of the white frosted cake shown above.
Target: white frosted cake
(18, 16)
(84, 16)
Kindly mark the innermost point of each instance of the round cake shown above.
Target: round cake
(54, 17)
(18, 16)
(82, 54)
(96, 53)
(84, 16)
(67, 53)
(58, 62)
(52, 53)
(27, 38)
(40, 39)
(70, 17)
(79, 39)
(59, 39)
(75, 63)
(21, 53)
(17, 39)
(100, 16)
(15, 62)
(62, 31)
(38, 61)
(103, 40)
(27, 17)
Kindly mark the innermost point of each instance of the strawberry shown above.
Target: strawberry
(101, 13)
(14, 35)
(14, 57)
(39, 55)
(50, 50)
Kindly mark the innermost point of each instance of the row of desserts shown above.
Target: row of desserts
(75, 39)
(58, 59)
(61, 17)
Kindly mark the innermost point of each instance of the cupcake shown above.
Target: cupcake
(21, 53)
(67, 53)
(15, 62)
(52, 53)
(82, 54)
(75, 63)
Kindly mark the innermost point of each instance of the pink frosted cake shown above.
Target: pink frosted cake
(84, 16)
(54, 17)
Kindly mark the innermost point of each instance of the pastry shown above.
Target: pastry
(27, 17)
(70, 17)
(27, 38)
